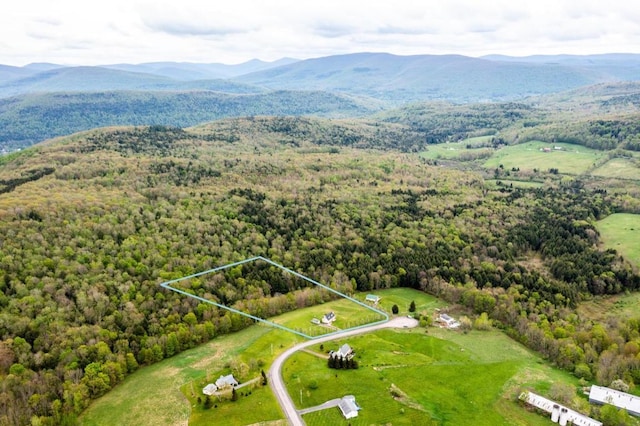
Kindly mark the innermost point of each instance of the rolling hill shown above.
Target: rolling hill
(28, 119)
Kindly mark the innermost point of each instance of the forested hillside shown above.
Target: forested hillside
(92, 223)
(29, 119)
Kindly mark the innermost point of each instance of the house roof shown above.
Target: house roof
(227, 380)
(348, 406)
(345, 350)
(372, 297)
(329, 315)
(209, 389)
(603, 395)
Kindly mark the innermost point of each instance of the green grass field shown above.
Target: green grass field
(620, 168)
(458, 150)
(442, 377)
(152, 394)
(348, 314)
(621, 231)
(573, 159)
(618, 306)
(409, 377)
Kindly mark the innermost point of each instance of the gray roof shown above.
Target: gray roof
(602, 395)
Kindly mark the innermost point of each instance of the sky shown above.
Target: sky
(98, 32)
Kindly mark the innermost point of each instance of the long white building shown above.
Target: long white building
(601, 395)
(559, 413)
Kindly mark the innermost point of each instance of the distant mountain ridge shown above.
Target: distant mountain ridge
(393, 78)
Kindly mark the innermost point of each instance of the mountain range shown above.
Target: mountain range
(42, 100)
(393, 78)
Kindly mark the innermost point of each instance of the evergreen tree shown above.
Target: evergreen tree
(412, 306)
(264, 378)
(395, 309)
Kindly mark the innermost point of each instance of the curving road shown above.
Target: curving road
(275, 372)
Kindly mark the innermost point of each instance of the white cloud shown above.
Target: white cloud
(82, 32)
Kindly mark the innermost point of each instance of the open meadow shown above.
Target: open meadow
(621, 232)
(412, 377)
(570, 159)
(619, 168)
(405, 377)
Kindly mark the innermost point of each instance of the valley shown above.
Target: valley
(516, 216)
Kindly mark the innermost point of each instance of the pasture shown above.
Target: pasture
(621, 231)
(571, 159)
(619, 168)
(409, 377)
(405, 377)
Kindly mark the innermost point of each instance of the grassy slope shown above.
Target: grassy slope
(621, 231)
(152, 394)
(427, 367)
(448, 379)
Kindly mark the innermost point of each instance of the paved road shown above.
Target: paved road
(275, 372)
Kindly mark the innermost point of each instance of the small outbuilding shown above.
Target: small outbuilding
(348, 406)
(372, 298)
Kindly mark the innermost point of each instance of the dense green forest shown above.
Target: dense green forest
(92, 223)
(28, 119)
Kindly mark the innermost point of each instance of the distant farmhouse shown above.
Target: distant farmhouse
(348, 406)
(372, 298)
(447, 321)
(328, 318)
(345, 352)
(601, 395)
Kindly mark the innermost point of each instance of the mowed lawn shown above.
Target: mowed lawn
(572, 159)
(411, 377)
(348, 314)
(621, 231)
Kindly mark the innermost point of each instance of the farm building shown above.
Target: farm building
(559, 414)
(372, 298)
(210, 389)
(348, 406)
(328, 318)
(448, 322)
(601, 395)
(226, 381)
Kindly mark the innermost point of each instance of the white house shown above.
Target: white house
(345, 352)
(448, 321)
(328, 318)
(210, 389)
(601, 395)
(226, 381)
(348, 406)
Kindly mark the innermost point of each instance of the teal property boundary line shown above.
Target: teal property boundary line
(167, 285)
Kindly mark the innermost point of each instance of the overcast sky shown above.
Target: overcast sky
(92, 32)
